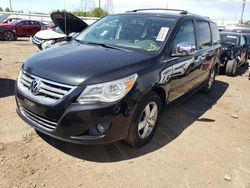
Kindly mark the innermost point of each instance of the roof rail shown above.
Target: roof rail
(166, 9)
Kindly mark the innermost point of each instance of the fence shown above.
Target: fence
(45, 18)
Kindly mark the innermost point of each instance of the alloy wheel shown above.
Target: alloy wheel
(148, 120)
(8, 35)
(211, 79)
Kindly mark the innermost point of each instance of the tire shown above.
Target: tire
(231, 68)
(245, 62)
(143, 126)
(209, 82)
(9, 36)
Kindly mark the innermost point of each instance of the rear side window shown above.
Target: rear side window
(215, 33)
(242, 40)
(204, 34)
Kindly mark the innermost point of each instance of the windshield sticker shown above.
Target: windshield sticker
(151, 48)
(162, 34)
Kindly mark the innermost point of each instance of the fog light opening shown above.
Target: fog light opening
(103, 128)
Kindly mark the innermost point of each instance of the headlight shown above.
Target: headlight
(107, 92)
(47, 44)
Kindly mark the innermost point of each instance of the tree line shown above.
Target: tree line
(97, 12)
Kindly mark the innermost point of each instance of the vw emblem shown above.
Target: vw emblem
(35, 86)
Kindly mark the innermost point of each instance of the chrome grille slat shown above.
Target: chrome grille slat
(37, 119)
(26, 78)
(25, 83)
(49, 88)
(49, 93)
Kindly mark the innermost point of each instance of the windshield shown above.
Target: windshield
(58, 30)
(131, 32)
(14, 22)
(229, 39)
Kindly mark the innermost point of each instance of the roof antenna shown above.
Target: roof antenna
(65, 24)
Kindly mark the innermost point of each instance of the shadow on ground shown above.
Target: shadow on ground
(242, 70)
(6, 87)
(174, 120)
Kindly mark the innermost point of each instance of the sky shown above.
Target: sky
(216, 9)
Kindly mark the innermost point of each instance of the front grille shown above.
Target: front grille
(38, 120)
(37, 40)
(49, 92)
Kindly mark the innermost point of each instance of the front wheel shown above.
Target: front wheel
(145, 120)
(9, 36)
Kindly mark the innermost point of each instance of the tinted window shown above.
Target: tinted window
(229, 39)
(185, 34)
(33, 23)
(24, 23)
(215, 33)
(242, 40)
(204, 35)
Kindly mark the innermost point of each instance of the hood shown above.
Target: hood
(79, 64)
(68, 23)
(49, 35)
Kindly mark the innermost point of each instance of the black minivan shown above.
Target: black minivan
(111, 82)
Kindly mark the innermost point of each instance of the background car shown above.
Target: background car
(240, 28)
(234, 52)
(7, 34)
(47, 38)
(23, 27)
(49, 25)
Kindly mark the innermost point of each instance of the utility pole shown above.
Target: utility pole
(99, 3)
(243, 10)
(10, 6)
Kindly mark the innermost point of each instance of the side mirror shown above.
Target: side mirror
(184, 49)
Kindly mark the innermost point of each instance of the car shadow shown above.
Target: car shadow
(173, 121)
(6, 87)
(242, 70)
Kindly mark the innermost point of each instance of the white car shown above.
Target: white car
(68, 26)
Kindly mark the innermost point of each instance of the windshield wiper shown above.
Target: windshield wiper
(77, 40)
(107, 46)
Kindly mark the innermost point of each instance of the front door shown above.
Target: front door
(184, 68)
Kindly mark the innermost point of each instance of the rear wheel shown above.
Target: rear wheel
(145, 119)
(231, 68)
(246, 61)
(9, 36)
(210, 81)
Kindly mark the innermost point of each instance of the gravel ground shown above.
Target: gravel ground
(202, 141)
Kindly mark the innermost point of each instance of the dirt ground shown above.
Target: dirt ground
(202, 141)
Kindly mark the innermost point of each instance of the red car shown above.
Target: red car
(50, 26)
(23, 27)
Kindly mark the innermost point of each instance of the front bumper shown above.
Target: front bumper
(77, 123)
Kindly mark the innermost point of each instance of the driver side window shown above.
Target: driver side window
(184, 35)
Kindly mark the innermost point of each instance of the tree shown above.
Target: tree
(97, 12)
(247, 22)
(7, 10)
(1, 10)
(80, 13)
